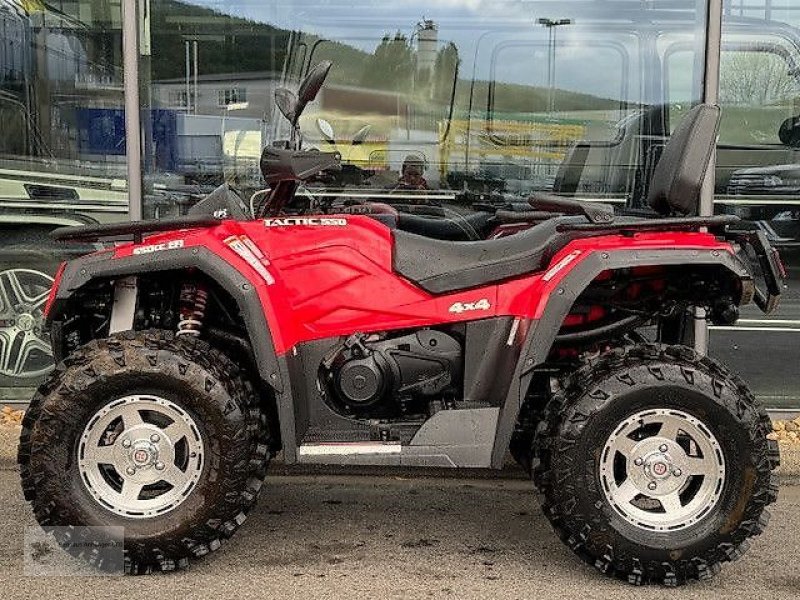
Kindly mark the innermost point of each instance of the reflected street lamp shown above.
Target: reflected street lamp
(551, 25)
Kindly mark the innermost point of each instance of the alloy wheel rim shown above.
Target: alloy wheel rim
(140, 456)
(662, 470)
(25, 351)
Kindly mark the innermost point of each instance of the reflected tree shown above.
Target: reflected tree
(391, 67)
(445, 71)
(755, 79)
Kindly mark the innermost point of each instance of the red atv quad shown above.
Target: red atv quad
(193, 354)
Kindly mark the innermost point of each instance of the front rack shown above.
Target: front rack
(132, 230)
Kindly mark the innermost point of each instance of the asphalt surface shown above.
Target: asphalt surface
(394, 537)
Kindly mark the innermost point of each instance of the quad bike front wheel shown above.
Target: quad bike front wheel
(654, 464)
(157, 437)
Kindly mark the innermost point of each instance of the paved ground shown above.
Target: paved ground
(392, 537)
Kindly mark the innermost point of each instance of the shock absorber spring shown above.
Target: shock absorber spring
(193, 300)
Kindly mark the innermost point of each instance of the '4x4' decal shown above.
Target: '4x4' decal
(460, 307)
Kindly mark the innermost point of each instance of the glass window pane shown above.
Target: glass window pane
(758, 178)
(62, 158)
(436, 108)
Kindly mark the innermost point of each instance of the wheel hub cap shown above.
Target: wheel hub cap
(662, 470)
(659, 468)
(144, 456)
(140, 456)
(26, 322)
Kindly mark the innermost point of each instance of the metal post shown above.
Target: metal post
(196, 68)
(133, 129)
(550, 51)
(188, 75)
(710, 96)
(552, 70)
(711, 84)
(551, 25)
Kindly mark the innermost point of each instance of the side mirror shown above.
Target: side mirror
(287, 104)
(326, 130)
(361, 135)
(311, 85)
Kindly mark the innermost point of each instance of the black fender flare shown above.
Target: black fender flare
(541, 333)
(81, 271)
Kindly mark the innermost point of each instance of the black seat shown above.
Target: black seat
(473, 226)
(440, 266)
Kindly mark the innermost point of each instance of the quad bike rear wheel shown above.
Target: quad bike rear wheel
(654, 465)
(159, 436)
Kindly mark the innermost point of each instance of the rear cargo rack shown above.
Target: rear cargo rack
(665, 224)
(131, 230)
(772, 271)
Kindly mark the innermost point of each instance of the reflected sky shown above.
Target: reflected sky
(478, 26)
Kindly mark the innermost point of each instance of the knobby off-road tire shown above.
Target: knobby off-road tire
(579, 470)
(218, 416)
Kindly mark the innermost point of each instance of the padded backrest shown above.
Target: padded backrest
(569, 172)
(679, 173)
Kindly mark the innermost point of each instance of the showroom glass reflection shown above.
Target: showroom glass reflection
(478, 99)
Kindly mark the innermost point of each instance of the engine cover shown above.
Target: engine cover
(361, 380)
(377, 377)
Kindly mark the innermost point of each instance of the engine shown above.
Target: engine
(376, 377)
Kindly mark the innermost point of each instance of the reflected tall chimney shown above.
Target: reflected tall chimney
(427, 45)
